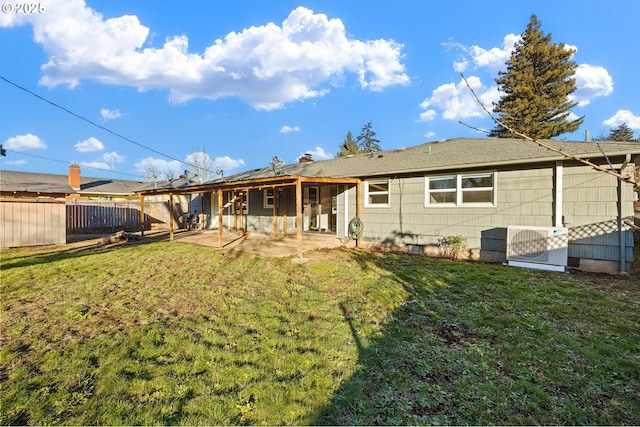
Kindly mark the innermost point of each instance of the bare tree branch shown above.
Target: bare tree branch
(625, 178)
(474, 128)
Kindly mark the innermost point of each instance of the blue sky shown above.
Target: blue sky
(242, 81)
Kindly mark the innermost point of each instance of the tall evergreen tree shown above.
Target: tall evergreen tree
(367, 141)
(621, 133)
(536, 85)
(348, 146)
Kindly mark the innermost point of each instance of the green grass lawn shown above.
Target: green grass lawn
(169, 333)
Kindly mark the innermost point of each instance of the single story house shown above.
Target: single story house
(30, 185)
(510, 199)
(40, 209)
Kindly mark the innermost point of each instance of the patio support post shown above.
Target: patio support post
(234, 205)
(284, 211)
(358, 206)
(299, 216)
(201, 212)
(142, 221)
(275, 212)
(171, 217)
(220, 194)
(242, 213)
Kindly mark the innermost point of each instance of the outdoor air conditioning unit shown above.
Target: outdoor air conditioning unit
(543, 248)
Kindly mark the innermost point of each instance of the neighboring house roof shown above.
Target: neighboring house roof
(174, 183)
(42, 183)
(446, 155)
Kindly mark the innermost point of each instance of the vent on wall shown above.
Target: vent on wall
(543, 248)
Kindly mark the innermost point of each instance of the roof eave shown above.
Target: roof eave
(479, 165)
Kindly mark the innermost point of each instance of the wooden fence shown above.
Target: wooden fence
(40, 221)
(31, 222)
(91, 217)
(103, 217)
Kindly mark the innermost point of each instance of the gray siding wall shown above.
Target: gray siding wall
(348, 191)
(524, 197)
(590, 207)
(259, 219)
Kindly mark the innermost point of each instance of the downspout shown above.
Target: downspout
(623, 255)
(346, 211)
(358, 207)
(557, 217)
(621, 231)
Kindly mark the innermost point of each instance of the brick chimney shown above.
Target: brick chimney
(74, 176)
(307, 158)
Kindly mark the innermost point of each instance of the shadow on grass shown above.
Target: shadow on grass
(396, 382)
(440, 359)
(45, 254)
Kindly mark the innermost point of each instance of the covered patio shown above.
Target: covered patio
(234, 192)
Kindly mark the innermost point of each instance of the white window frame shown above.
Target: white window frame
(368, 193)
(428, 190)
(267, 201)
(459, 190)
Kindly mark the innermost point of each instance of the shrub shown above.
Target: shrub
(451, 246)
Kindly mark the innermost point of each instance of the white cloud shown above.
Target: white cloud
(88, 145)
(96, 165)
(572, 116)
(428, 115)
(495, 58)
(227, 163)
(113, 157)
(492, 59)
(460, 65)
(318, 154)
(457, 102)
(623, 116)
(16, 162)
(24, 142)
(454, 101)
(224, 163)
(107, 114)
(108, 161)
(160, 165)
(591, 82)
(287, 129)
(429, 134)
(266, 65)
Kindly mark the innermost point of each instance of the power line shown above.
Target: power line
(68, 163)
(100, 126)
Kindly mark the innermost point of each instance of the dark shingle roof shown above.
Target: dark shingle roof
(30, 182)
(446, 155)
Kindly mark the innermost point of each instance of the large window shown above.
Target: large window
(461, 190)
(376, 193)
